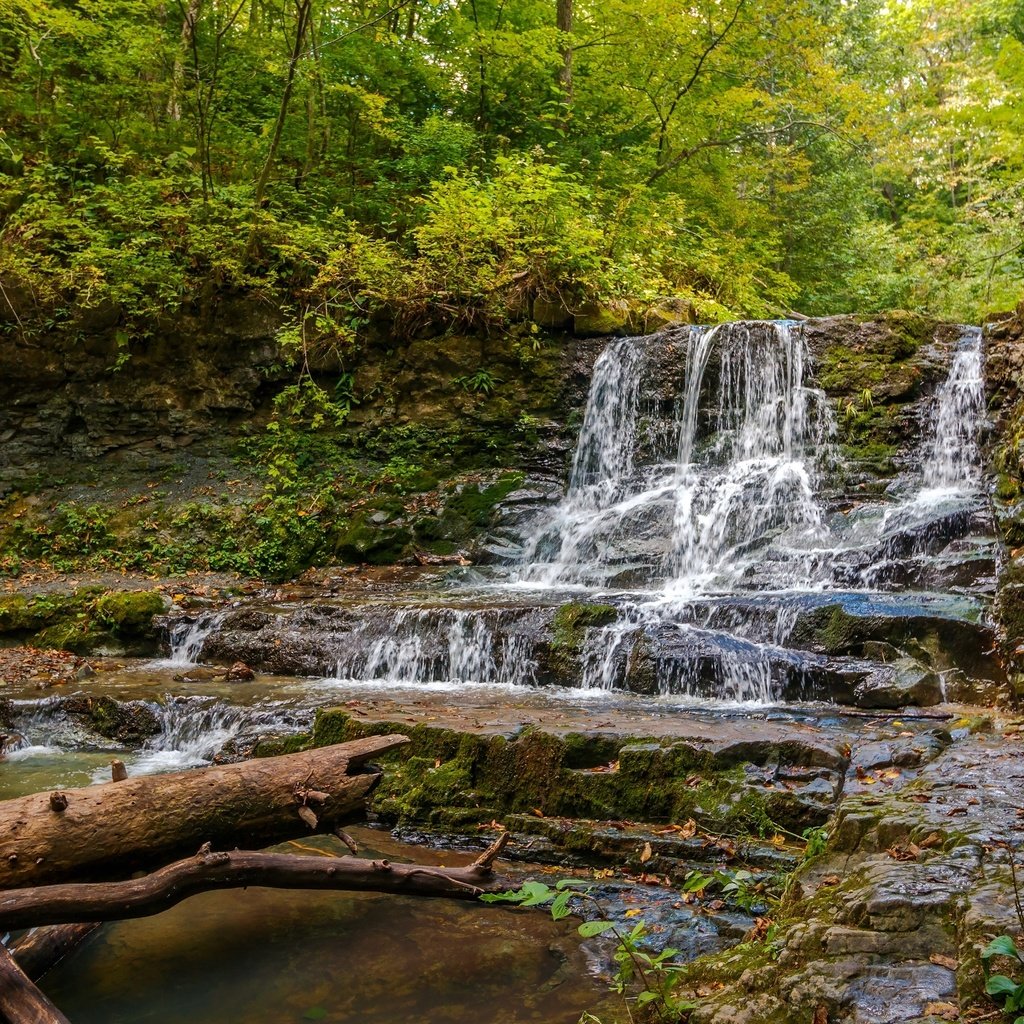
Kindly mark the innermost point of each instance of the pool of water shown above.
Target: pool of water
(263, 956)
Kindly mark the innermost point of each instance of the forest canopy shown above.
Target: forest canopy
(457, 158)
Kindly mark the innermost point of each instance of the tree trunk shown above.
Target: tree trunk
(302, 15)
(188, 28)
(20, 1001)
(151, 894)
(563, 22)
(112, 829)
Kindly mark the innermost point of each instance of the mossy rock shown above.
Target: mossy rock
(571, 621)
(597, 318)
(476, 504)
(444, 772)
(19, 615)
(129, 722)
(364, 541)
(74, 636)
(129, 613)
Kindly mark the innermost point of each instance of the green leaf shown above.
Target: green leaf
(590, 928)
(560, 908)
(1002, 946)
(537, 894)
(563, 883)
(1000, 985)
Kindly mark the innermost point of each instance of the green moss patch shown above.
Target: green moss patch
(449, 777)
(84, 620)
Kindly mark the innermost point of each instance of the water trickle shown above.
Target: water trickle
(188, 636)
(439, 646)
(952, 458)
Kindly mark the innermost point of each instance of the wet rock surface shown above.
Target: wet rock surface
(887, 925)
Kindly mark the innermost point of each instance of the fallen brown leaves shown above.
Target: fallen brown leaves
(685, 831)
(904, 851)
(946, 1011)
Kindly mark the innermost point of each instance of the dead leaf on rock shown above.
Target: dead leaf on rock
(685, 831)
(900, 851)
(308, 817)
(492, 826)
(646, 853)
(935, 839)
(947, 1011)
(944, 961)
(831, 880)
(820, 1014)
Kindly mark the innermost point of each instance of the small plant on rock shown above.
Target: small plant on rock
(1001, 987)
(655, 973)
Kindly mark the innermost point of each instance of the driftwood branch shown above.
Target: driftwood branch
(151, 894)
(20, 1001)
(110, 830)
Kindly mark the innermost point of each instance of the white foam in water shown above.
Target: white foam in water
(30, 750)
(193, 731)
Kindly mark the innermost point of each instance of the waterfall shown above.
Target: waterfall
(603, 489)
(736, 481)
(758, 475)
(702, 506)
(439, 646)
(952, 458)
(188, 636)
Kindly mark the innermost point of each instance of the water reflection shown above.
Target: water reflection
(262, 956)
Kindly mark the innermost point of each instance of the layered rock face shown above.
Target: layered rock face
(1005, 393)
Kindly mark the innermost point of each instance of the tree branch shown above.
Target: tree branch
(151, 894)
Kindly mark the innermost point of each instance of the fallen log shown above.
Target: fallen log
(41, 949)
(110, 830)
(151, 894)
(20, 1001)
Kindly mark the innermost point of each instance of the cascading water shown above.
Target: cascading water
(758, 477)
(702, 506)
(188, 636)
(949, 488)
(745, 475)
(439, 646)
(603, 489)
(193, 730)
(952, 458)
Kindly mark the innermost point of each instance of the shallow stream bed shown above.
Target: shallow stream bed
(264, 956)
